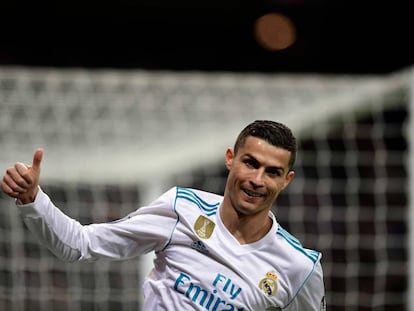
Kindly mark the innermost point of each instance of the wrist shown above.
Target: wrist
(28, 197)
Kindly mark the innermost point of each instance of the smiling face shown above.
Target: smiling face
(257, 174)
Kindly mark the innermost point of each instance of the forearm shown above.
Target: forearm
(58, 232)
(126, 238)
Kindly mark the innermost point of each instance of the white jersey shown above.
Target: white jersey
(199, 265)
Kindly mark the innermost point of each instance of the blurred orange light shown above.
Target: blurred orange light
(274, 31)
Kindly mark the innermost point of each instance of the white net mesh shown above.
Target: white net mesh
(113, 139)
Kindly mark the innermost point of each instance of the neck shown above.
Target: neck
(246, 228)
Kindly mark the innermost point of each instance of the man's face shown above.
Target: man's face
(257, 174)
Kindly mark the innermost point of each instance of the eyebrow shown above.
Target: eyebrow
(277, 168)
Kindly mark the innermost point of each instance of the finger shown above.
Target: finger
(9, 191)
(11, 183)
(21, 174)
(37, 159)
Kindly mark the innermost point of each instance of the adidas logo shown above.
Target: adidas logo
(199, 245)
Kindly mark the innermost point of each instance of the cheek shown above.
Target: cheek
(231, 179)
(277, 187)
(237, 172)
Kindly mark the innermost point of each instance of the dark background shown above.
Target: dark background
(332, 36)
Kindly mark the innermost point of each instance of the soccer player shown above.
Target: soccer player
(212, 252)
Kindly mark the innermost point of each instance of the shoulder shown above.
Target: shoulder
(295, 248)
(304, 269)
(179, 199)
(204, 201)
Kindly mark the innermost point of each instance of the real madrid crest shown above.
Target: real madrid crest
(204, 227)
(269, 284)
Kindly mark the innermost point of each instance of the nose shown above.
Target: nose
(257, 179)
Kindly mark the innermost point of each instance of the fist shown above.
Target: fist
(21, 181)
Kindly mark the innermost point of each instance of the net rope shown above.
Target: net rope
(113, 139)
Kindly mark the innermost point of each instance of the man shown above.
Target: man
(212, 252)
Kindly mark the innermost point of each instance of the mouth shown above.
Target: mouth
(253, 194)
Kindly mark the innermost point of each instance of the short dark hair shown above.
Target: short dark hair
(275, 133)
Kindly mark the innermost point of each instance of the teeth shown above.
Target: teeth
(253, 194)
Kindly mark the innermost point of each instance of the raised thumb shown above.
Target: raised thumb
(37, 158)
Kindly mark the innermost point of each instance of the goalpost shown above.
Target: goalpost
(114, 140)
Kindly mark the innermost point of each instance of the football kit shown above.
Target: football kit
(199, 264)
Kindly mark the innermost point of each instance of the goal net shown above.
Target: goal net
(114, 140)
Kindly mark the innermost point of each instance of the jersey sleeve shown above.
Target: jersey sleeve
(148, 228)
(311, 296)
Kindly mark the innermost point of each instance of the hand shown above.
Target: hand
(21, 181)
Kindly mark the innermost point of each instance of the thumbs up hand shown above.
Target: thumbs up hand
(21, 181)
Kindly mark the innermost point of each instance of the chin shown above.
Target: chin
(247, 209)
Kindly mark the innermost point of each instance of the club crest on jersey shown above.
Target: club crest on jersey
(269, 284)
(204, 227)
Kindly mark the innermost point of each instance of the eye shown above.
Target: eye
(251, 163)
(275, 172)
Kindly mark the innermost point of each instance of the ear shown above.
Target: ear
(289, 177)
(229, 158)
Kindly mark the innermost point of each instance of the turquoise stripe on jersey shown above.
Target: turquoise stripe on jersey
(189, 195)
(311, 254)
